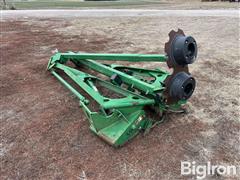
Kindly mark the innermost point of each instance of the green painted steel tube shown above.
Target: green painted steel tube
(117, 57)
(88, 59)
(112, 103)
(108, 71)
(74, 91)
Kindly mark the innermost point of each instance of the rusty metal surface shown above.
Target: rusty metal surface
(170, 62)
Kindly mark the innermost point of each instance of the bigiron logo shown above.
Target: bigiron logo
(201, 171)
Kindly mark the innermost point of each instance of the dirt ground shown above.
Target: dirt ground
(45, 135)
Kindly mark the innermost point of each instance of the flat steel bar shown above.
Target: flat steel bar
(117, 57)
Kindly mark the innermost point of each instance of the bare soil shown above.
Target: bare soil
(45, 135)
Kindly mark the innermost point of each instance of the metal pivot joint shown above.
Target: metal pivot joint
(128, 100)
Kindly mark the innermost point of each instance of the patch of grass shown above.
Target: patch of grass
(73, 4)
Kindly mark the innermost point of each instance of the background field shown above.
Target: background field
(152, 4)
(44, 133)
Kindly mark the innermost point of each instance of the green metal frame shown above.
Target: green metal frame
(117, 120)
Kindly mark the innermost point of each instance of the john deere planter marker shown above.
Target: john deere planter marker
(137, 98)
